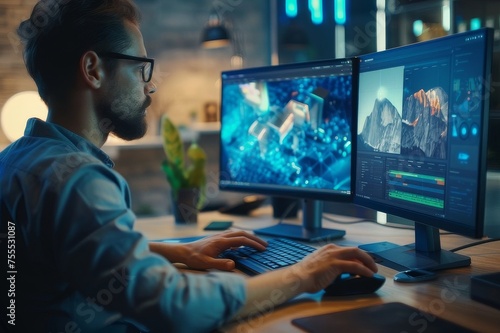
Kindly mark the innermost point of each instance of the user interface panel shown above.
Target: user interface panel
(423, 112)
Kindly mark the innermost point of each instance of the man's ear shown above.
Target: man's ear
(91, 69)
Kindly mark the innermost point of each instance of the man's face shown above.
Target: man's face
(126, 97)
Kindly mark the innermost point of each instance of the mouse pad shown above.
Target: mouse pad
(382, 318)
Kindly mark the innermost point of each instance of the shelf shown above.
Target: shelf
(113, 145)
(188, 134)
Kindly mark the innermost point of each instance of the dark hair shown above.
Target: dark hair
(59, 32)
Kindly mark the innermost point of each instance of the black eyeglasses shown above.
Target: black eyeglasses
(146, 70)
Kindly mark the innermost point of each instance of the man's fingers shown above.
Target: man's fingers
(243, 241)
(355, 254)
(241, 233)
(215, 263)
(355, 267)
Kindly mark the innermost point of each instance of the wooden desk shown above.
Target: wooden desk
(447, 297)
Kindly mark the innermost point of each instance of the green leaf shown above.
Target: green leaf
(172, 143)
(178, 174)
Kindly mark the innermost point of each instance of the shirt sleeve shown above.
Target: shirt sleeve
(109, 263)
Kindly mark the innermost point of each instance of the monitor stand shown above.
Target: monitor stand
(309, 231)
(425, 253)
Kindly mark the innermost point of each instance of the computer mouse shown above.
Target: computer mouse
(349, 284)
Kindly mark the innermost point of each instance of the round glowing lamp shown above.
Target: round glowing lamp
(18, 109)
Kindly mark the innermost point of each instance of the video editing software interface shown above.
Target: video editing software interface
(423, 112)
(287, 129)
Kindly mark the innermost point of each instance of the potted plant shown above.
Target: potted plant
(187, 180)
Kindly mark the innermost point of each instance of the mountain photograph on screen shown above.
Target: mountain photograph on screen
(289, 132)
(425, 123)
(407, 119)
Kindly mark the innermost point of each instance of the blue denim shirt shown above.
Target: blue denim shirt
(80, 265)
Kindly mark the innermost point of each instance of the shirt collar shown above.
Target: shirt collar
(38, 128)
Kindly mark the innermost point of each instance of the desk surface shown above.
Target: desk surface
(447, 297)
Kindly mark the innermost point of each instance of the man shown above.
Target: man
(80, 265)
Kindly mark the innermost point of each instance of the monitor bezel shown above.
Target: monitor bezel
(476, 230)
(291, 191)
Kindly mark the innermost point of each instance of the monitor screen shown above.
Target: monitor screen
(287, 130)
(422, 138)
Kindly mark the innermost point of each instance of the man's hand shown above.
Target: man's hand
(321, 267)
(313, 273)
(203, 253)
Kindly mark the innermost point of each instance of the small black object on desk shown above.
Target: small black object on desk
(485, 288)
(415, 275)
(347, 284)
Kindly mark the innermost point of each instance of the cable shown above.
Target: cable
(331, 219)
(281, 220)
(484, 241)
(388, 225)
(328, 218)
(287, 211)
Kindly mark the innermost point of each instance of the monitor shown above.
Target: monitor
(286, 130)
(423, 113)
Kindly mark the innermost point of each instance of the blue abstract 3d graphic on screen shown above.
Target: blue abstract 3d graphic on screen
(287, 130)
(290, 132)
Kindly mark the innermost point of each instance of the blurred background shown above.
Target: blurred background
(192, 41)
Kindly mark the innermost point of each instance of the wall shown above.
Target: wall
(186, 75)
(13, 75)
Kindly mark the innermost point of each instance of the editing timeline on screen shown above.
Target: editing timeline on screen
(422, 135)
(402, 131)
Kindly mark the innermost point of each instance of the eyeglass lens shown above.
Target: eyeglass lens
(147, 72)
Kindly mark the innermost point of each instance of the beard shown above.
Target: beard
(125, 117)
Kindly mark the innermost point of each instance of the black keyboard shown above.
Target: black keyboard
(280, 252)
